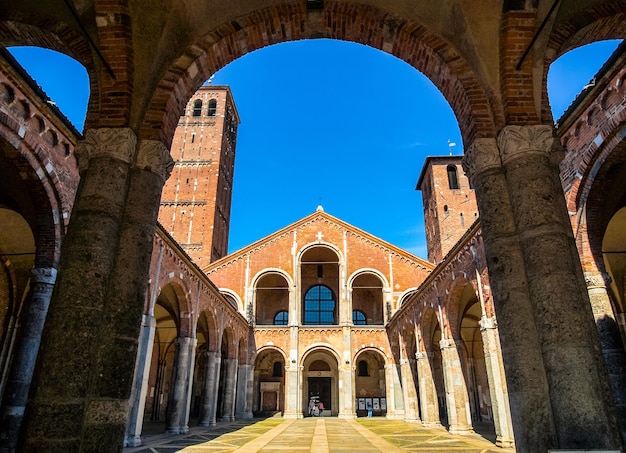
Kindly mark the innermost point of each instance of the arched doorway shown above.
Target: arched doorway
(269, 382)
(370, 383)
(320, 382)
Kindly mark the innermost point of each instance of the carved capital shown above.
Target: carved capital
(596, 280)
(480, 156)
(447, 343)
(117, 143)
(487, 323)
(515, 141)
(420, 355)
(155, 157)
(43, 275)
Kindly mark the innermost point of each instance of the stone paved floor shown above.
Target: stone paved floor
(318, 435)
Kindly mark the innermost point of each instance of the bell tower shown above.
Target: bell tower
(196, 200)
(449, 203)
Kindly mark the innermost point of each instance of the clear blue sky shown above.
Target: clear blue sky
(328, 122)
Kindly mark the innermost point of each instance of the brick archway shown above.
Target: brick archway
(411, 42)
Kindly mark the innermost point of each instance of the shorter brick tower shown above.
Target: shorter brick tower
(449, 203)
(196, 200)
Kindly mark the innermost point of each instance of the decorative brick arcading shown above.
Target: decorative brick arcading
(116, 143)
(514, 141)
(155, 157)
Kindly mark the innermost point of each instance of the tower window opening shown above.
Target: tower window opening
(453, 178)
(212, 110)
(462, 220)
(445, 208)
(197, 107)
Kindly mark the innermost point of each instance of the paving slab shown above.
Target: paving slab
(318, 435)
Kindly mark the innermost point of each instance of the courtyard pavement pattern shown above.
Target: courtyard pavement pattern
(318, 435)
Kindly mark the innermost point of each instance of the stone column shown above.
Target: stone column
(429, 403)
(345, 375)
(177, 400)
(21, 371)
(213, 386)
(230, 389)
(140, 384)
(527, 381)
(610, 340)
(411, 403)
(582, 415)
(457, 402)
(497, 383)
(293, 389)
(189, 388)
(209, 404)
(242, 408)
(395, 400)
(89, 344)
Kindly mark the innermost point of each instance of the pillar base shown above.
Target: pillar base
(460, 430)
(292, 415)
(504, 442)
(347, 416)
(132, 441)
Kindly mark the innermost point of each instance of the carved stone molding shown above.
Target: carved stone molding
(155, 157)
(116, 143)
(44, 275)
(482, 155)
(487, 323)
(514, 141)
(447, 343)
(596, 280)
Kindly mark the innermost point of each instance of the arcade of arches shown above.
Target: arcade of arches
(517, 322)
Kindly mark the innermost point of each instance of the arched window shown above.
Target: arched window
(319, 306)
(278, 370)
(281, 318)
(453, 177)
(363, 369)
(212, 110)
(358, 318)
(197, 107)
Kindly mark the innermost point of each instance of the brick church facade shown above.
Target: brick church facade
(110, 320)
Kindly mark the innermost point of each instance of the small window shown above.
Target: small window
(212, 110)
(363, 368)
(358, 318)
(197, 107)
(462, 220)
(278, 370)
(445, 208)
(281, 318)
(453, 177)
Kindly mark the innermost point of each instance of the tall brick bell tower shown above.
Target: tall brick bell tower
(449, 203)
(196, 200)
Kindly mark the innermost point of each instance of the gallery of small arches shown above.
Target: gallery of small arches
(321, 295)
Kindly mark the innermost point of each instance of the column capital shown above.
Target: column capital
(447, 343)
(515, 141)
(480, 156)
(596, 280)
(421, 355)
(488, 323)
(43, 275)
(117, 143)
(155, 157)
